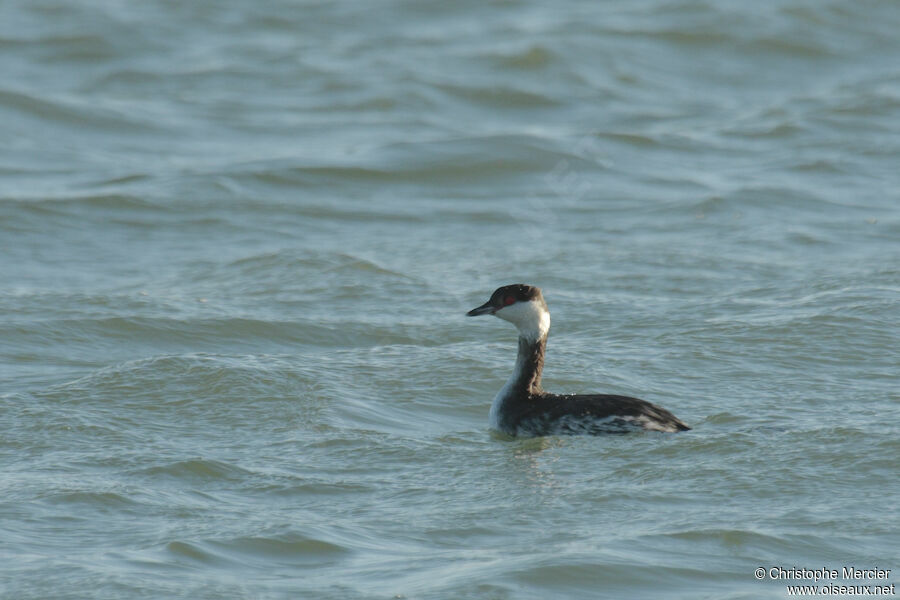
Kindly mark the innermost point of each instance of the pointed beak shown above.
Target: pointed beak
(484, 309)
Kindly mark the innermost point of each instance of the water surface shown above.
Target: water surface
(238, 241)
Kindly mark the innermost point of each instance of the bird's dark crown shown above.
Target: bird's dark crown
(517, 292)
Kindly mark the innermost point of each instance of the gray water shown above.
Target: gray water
(238, 240)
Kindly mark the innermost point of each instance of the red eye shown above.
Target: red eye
(508, 300)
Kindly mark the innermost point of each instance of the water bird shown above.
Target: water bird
(523, 408)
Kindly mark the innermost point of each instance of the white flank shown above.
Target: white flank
(505, 391)
(653, 425)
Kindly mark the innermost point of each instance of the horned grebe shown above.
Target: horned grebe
(522, 407)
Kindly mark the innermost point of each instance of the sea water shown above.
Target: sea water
(237, 244)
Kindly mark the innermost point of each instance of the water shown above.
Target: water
(238, 241)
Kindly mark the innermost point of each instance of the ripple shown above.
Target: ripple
(792, 47)
(160, 333)
(197, 470)
(533, 57)
(91, 202)
(73, 112)
(288, 548)
(107, 500)
(475, 158)
(194, 553)
(500, 97)
(631, 139)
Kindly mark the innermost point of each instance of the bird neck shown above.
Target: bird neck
(526, 377)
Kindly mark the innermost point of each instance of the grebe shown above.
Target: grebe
(522, 407)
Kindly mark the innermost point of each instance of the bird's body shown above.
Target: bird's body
(523, 408)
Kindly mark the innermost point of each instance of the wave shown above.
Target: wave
(75, 112)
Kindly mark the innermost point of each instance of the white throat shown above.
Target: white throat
(532, 319)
